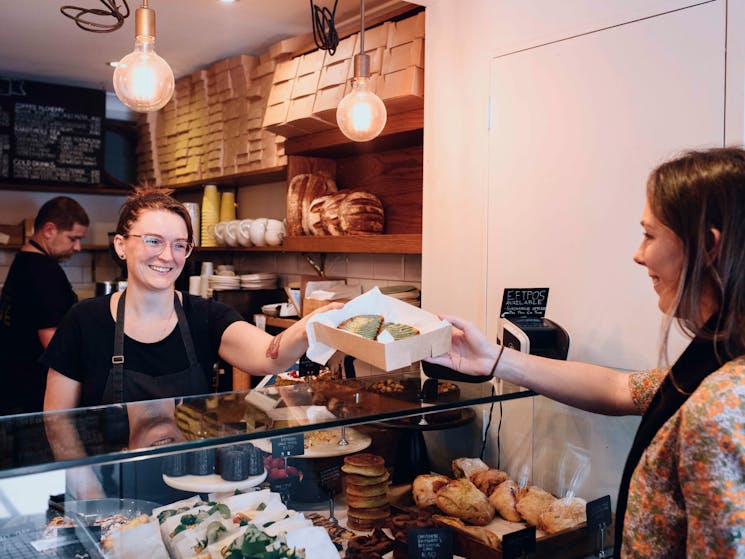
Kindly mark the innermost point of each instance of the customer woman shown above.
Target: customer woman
(682, 493)
(151, 341)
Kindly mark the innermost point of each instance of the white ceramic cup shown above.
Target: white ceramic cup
(274, 225)
(220, 227)
(274, 237)
(258, 230)
(231, 233)
(244, 232)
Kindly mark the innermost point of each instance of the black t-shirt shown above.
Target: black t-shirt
(84, 343)
(36, 295)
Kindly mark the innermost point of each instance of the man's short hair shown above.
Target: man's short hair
(64, 212)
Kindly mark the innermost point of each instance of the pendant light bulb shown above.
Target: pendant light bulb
(143, 81)
(361, 114)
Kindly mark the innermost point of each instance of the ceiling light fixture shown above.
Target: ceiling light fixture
(143, 81)
(361, 114)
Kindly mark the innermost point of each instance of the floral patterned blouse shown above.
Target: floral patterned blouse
(687, 494)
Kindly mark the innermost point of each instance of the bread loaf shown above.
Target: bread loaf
(361, 213)
(313, 217)
(301, 191)
(462, 499)
(330, 214)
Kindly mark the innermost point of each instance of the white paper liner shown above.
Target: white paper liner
(371, 302)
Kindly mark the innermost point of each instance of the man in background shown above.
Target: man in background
(35, 297)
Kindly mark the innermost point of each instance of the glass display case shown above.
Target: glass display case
(290, 436)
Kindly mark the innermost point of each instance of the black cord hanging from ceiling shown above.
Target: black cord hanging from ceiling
(82, 16)
(324, 30)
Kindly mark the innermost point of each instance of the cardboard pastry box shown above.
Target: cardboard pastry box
(325, 338)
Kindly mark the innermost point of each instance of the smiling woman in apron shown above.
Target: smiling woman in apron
(151, 341)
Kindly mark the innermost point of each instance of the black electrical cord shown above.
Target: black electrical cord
(488, 426)
(81, 16)
(324, 30)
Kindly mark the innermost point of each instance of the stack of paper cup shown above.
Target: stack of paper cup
(204, 279)
(193, 209)
(227, 206)
(210, 215)
(195, 285)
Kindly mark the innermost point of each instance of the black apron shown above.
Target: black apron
(142, 479)
(701, 358)
(126, 385)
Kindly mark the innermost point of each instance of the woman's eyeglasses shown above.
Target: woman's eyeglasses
(155, 245)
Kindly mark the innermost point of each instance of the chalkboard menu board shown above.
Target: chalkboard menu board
(50, 133)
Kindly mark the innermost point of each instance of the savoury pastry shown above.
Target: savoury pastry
(481, 534)
(487, 480)
(531, 502)
(399, 331)
(563, 514)
(466, 467)
(365, 325)
(462, 499)
(425, 488)
(504, 498)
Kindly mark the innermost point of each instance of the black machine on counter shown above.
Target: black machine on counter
(522, 326)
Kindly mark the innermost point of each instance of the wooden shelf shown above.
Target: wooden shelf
(89, 248)
(401, 130)
(67, 188)
(368, 244)
(261, 176)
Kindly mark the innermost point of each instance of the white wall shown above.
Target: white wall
(462, 40)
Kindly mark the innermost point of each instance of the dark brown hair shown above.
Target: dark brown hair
(63, 212)
(151, 198)
(691, 195)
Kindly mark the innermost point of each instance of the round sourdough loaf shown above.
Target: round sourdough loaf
(301, 191)
(361, 213)
(330, 213)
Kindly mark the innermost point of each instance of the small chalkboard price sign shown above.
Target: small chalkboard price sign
(430, 543)
(598, 512)
(524, 303)
(598, 520)
(50, 133)
(518, 544)
(306, 367)
(288, 445)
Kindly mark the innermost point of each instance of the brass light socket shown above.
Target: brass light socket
(144, 22)
(361, 66)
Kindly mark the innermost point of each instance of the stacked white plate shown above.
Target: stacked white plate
(261, 280)
(407, 293)
(221, 283)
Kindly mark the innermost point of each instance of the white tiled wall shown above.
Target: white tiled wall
(367, 270)
(83, 269)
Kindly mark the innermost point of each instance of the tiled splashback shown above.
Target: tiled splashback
(369, 270)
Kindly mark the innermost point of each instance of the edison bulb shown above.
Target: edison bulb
(361, 114)
(143, 80)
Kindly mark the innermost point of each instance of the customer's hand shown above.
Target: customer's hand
(471, 352)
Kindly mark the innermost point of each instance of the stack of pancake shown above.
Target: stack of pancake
(366, 486)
